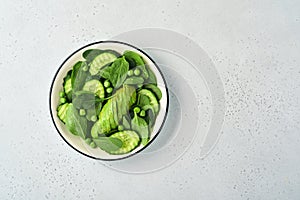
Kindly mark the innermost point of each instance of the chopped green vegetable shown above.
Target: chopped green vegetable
(113, 111)
(90, 54)
(152, 99)
(153, 88)
(94, 86)
(129, 139)
(100, 61)
(61, 112)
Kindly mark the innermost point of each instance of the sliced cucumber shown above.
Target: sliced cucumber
(153, 100)
(61, 112)
(130, 140)
(68, 88)
(153, 88)
(100, 61)
(96, 87)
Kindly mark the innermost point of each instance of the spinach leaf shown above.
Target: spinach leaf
(125, 123)
(135, 80)
(152, 78)
(131, 56)
(85, 99)
(75, 123)
(68, 86)
(78, 76)
(116, 73)
(93, 111)
(139, 125)
(90, 54)
(108, 144)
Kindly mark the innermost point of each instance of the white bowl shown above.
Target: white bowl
(57, 85)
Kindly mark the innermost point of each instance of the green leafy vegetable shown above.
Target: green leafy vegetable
(134, 80)
(116, 73)
(139, 125)
(85, 99)
(152, 78)
(130, 140)
(90, 54)
(78, 76)
(108, 144)
(125, 123)
(138, 61)
(75, 123)
(113, 111)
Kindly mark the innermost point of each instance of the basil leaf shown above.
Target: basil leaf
(116, 73)
(108, 144)
(75, 123)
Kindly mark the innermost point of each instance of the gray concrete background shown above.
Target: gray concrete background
(255, 46)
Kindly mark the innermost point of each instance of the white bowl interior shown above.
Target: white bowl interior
(75, 141)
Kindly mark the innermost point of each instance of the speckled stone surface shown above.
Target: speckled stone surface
(255, 46)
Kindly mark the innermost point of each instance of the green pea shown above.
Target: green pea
(61, 94)
(85, 68)
(106, 83)
(94, 118)
(142, 113)
(120, 128)
(93, 145)
(130, 73)
(136, 110)
(82, 112)
(62, 100)
(88, 140)
(137, 72)
(109, 90)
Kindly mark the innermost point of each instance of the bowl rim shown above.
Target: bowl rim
(137, 49)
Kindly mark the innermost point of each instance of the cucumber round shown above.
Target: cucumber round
(100, 61)
(68, 86)
(153, 88)
(130, 140)
(154, 103)
(96, 87)
(61, 112)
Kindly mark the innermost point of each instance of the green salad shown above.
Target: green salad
(110, 100)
